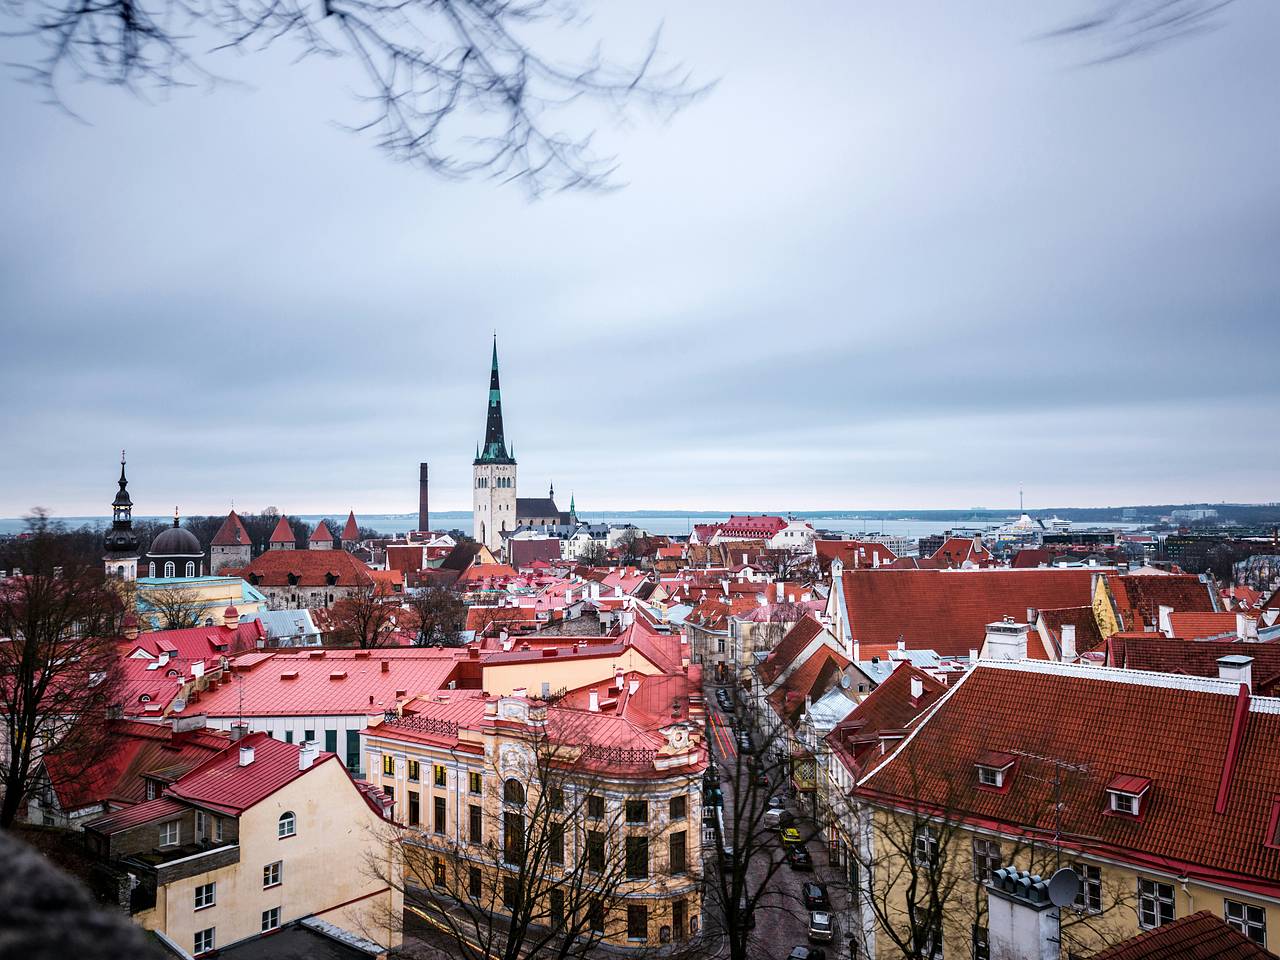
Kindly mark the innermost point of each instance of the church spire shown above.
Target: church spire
(495, 443)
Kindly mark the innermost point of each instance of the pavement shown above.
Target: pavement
(782, 920)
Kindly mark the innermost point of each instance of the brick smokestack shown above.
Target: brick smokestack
(424, 520)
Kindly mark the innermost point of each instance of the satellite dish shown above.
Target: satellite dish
(1064, 885)
(846, 681)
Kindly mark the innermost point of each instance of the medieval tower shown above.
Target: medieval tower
(493, 473)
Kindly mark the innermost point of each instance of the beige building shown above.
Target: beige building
(246, 843)
(597, 796)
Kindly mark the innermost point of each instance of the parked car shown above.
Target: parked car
(775, 803)
(821, 926)
(815, 895)
(775, 818)
(791, 835)
(808, 953)
(799, 858)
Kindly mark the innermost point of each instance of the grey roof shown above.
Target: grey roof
(879, 670)
(832, 707)
(536, 507)
(285, 623)
(294, 942)
(175, 542)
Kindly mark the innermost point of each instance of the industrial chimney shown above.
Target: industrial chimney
(424, 521)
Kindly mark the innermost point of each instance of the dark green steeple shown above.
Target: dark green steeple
(495, 443)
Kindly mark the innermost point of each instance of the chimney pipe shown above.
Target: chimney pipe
(246, 755)
(1163, 624)
(1068, 640)
(917, 688)
(593, 701)
(238, 731)
(1237, 668)
(386, 666)
(307, 754)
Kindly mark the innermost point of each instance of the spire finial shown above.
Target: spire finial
(175, 515)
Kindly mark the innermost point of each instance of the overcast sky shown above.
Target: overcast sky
(904, 255)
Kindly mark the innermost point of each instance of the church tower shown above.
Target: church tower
(120, 542)
(493, 473)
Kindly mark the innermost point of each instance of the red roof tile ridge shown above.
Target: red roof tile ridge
(1144, 678)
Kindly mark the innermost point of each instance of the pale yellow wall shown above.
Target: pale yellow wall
(324, 865)
(570, 674)
(213, 598)
(1117, 922)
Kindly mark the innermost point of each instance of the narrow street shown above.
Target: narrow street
(781, 917)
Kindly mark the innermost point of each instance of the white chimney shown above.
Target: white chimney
(1163, 625)
(246, 755)
(1006, 640)
(617, 678)
(632, 687)
(917, 688)
(1246, 627)
(307, 754)
(1022, 922)
(778, 592)
(902, 644)
(1068, 640)
(1237, 668)
(973, 655)
(1032, 615)
(593, 701)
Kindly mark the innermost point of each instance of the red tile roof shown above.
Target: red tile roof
(1198, 936)
(889, 707)
(221, 784)
(1196, 658)
(957, 551)
(351, 531)
(1138, 597)
(811, 680)
(152, 811)
(283, 533)
(322, 533)
(1203, 626)
(1088, 636)
(232, 533)
(1206, 746)
(524, 553)
(311, 567)
(789, 647)
(854, 553)
(948, 611)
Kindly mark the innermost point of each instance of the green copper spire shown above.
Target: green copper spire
(495, 444)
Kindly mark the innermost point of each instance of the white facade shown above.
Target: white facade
(796, 536)
(493, 502)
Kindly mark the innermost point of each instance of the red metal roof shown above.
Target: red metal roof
(301, 683)
(221, 783)
(158, 810)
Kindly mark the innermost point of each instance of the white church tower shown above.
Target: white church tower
(493, 474)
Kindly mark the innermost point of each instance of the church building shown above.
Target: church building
(496, 510)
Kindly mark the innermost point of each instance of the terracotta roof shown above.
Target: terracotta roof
(957, 551)
(1088, 636)
(788, 648)
(811, 680)
(322, 533)
(283, 533)
(1199, 936)
(232, 533)
(351, 531)
(1031, 557)
(311, 567)
(198, 643)
(222, 784)
(1197, 658)
(948, 611)
(889, 706)
(1205, 745)
(525, 552)
(854, 553)
(1139, 597)
(1203, 626)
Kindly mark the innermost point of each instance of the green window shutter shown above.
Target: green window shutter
(331, 741)
(353, 749)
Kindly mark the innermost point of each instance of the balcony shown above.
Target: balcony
(156, 868)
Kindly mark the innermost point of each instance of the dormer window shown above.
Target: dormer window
(1126, 794)
(994, 770)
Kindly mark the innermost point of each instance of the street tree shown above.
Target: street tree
(173, 608)
(59, 666)
(441, 616)
(364, 618)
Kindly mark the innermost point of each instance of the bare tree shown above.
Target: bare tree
(459, 87)
(1125, 28)
(175, 608)
(542, 865)
(364, 618)
(594, 553)
(441, 616)
(59, 667)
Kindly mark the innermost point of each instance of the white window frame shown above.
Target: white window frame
(1248, 918)
(202, 823)
(270, 920)
(926, 850)
(990, 776)
(172, 828)
(985, 853)
(205, 895)
(287, 825)
(1150, 900)
(1089, 896)
(204, 940)
(273, 874)
(1127, 803)
(217, 830)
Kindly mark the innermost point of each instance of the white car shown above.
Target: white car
(821, 926)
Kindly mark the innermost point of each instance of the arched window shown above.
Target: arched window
(169, 569)
(513, 792)
(120, 572)
(151, 570)
(191, 568)
(287, 825)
